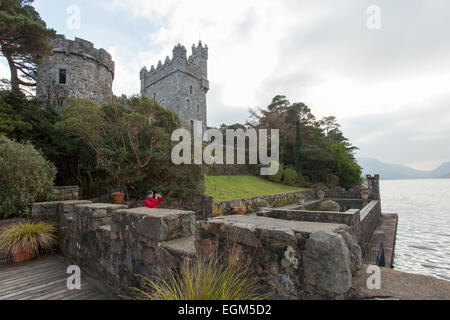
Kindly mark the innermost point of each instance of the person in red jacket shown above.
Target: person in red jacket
(152, 200)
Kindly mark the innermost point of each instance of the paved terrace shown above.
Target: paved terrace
(43, 278)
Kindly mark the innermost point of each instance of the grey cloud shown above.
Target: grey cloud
(419, 134)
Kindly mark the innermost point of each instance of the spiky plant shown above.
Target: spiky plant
(205, 278)
(29, 237)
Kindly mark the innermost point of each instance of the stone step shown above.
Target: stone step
(181, 248)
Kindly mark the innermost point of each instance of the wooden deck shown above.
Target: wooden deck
(43, 278)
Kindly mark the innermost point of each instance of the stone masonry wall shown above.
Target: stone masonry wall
(362, 222)
(66, 193)
(370, 218)
(295, 260)
(89, 73)
(253, 205)
(116, 245)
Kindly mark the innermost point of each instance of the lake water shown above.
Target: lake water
(423, 235)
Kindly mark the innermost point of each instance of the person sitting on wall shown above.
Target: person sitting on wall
(153, 200)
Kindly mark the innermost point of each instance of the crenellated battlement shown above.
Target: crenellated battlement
(191, 65)
(83, 48)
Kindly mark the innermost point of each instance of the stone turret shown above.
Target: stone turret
(76, 69)
(180, 84)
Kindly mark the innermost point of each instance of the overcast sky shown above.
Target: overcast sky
(388, 87)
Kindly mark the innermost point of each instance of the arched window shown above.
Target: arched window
(154, 96)
(190, 89)
(188, 102)
(198, 108)
(192, 124)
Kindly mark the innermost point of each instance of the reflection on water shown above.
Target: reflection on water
(423, 235)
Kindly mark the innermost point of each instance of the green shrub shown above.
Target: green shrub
(303, 181)
(29, 237)
(278, 176)
(289, 177)
(205, 278)
(25, 176)
(332, 181)
(330, 205)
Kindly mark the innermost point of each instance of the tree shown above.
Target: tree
(298, 148)
(132, 149)
(24, 39)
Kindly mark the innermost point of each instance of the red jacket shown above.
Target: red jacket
(153, 203)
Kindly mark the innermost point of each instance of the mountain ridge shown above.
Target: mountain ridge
(390, 171)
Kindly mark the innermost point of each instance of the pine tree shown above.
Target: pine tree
(24, 38)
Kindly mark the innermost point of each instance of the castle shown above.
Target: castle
(77, 69)
(180, 84)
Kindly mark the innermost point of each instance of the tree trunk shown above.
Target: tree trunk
(15, 81)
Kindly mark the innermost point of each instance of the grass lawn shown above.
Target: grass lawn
(225, 188)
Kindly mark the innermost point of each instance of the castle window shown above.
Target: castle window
(188, 103)
(192, 124)
(62, 76)
(154, 96)
(198, 108)
(190, 90)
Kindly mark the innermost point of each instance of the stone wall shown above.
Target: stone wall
(89, 72)
(116, 245)
(201, 205)
(295, 260)
(66, 193)
(119, 245)
(371, 216)
(362, 222)
(253, 205)
(355, 192)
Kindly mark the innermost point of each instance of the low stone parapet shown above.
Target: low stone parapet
(52, 209)
(120, 245)
(297, 260)
(66, 193)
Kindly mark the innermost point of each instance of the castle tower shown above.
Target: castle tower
(76, 69)
(180, 84)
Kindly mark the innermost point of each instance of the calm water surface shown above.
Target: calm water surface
(423, 236)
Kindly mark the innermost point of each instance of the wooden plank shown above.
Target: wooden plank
(43, 278)
(30, 280)
(30, 289)
(58, 295)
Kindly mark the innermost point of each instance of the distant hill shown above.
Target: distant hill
(389, 171)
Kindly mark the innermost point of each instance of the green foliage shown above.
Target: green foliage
(303, 181)
(206, 278)
(24, 38)
(30, 237)
(130, 148)
(349, 173)
(289, 177)
(332, 180)
(307, 144)
(23, 119)
(330, 205)
(25, 176)
(298, 148)
(278, 177)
